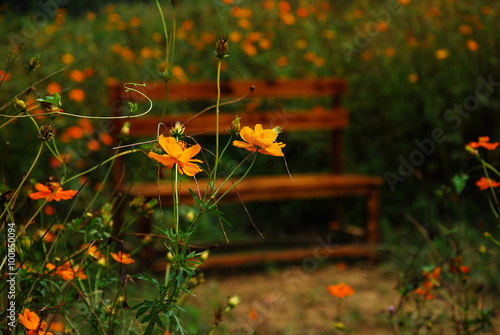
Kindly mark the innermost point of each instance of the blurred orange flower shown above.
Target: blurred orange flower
(90, 16)
(484, 141)
(53, 87)
(485, 183)
(269, 4)
(389, 52)
(5, 76)
(284, 6)
(244, 23)
(122, 258)
(49, 210)
(265, 44)
(472, 45)
(260, 140)
(77, 95)
(442, 54)
(253, 315)
(249, 48)
(66, 271)
(67, 58)
(235, 36)
(134, 21)
(93, 145)
(340, 290)
(432, 280)
(413, 78)
(282, 61)
(105, 138)
(288, 18)
(77, 75)
(52, 191)
(464, 29)
(301, 12)
(178, 154)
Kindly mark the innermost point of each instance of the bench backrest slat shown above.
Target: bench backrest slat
(301, 88)
(335, 118)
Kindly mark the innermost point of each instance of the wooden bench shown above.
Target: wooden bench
(334, 184)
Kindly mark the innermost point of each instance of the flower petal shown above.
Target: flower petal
(190, 169)
(168, 161)
(190, 153)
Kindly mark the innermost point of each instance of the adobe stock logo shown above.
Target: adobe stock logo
(452, 117)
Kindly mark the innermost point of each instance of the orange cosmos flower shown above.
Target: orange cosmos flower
(122, 258)
(31, 321)
(66, 271)
(77, 94)
(340, 290)
(177, 153)
(77, 76)
(51, 191)
(484, 141)
(472, 45)
(485, 183)
(260, 140)
(432, 280)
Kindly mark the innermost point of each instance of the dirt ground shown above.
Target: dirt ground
(294, 299)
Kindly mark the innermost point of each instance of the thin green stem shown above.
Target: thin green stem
(167, 66)
(14, 196)
(165, 31)
(60, 112)
(104, 162)
(236, 183)
(217, 123)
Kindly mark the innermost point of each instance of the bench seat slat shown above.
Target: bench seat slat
(268, 188)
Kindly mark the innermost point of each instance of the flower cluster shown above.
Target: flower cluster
(32, 323)
(431, 282)
(67, 271)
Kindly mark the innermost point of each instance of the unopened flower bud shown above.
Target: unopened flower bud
(34, 62)
(482, 249)
(190, 216)
(170, 257)
(471, 150)
(233, 301)
(221, 47)
(177, 131)
(236, 125)
(125, 131)
(277, 129)
(47, 132)
(19, 104)
(204, 256)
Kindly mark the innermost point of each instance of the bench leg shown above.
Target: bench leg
(373, 214)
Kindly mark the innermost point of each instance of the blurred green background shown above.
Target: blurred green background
(409, 65)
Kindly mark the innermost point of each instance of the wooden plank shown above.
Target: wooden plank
(288, 255)
(268, 188)
(208, 90)
(205, 124)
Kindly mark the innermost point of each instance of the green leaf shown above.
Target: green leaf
(459, 181)
(148, 278)
(51, 99)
